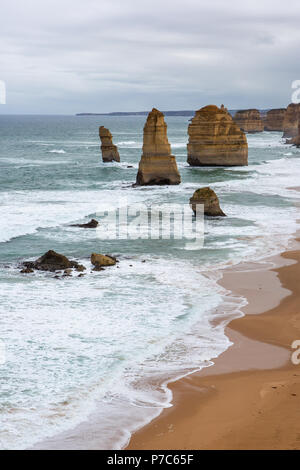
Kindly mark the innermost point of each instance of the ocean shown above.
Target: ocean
(109, 342)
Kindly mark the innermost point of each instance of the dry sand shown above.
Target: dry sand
(250, 398)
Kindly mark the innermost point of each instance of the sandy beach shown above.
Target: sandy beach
(250, 398)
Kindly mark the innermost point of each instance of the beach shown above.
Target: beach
(249, 398)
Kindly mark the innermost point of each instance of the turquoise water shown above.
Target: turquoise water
(105, 341)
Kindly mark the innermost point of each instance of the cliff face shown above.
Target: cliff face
(157, 166)
(215, 139)
(295, 140)
(249, 120)
(109, 151)
(291, 120)
(274, 120)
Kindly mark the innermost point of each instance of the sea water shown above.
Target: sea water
(109, 342)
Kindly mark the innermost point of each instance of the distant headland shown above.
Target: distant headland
(188, 113)
(139, 113)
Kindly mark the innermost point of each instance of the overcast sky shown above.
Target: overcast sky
(68, 56)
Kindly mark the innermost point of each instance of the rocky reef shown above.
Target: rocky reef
(109, 150)
(91, 224)
(157, 166)
(52, 261)
(249, 120)
(274, 119)
(215, 139)
(291, 121)
(59, 264)
(209, 199)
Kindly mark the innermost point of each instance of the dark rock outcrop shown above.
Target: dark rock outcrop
(215, 139)
(109, 150)
(249, 120)
(52, 261)
(27, 271)
(274, 119)
(209, 199)
(157, 166)
(291, 121)
(92, 224)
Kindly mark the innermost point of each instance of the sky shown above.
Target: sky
(71, 56)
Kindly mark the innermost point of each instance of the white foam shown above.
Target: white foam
(26, 212)
(178, 145)
(129, 143)
(57, 151)
(110, 346)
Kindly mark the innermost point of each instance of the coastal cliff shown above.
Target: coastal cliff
(157, 166)
(295, 140)
(109, 150)
(249, 120)
(291, 120)
(215, 139)
(274, 119)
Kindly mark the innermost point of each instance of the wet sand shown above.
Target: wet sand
(250, 398)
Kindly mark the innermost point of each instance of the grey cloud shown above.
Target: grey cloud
(99, 55)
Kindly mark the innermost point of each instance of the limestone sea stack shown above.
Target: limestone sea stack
(109, 150)
(291, 120)
(157, 166)
(274, 119)
(249, 120)
(210, 201)
(215, 139)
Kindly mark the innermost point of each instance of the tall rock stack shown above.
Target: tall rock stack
(249, 120)
(109, 150)
(274, 119)
(291, 120)
(157, 165)
(215, 139)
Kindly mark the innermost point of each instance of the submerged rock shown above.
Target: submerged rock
(291, 120)
(68, 272)
(157, 166)
(274, 119)
(99, 260)
(27, 271)
(52, 261)
(249, 120)
(91, 224)
(209, 199)
(109, 150)
(98, 268)
(215, 139)
(80, 268)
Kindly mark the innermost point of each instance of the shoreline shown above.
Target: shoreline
(239, 281)
(247, 399)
